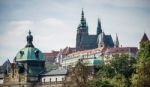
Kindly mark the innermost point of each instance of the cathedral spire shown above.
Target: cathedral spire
(83, 25)
(99, 28)
(29, 40)
(117, 41)
(82, 15)
(83, 20)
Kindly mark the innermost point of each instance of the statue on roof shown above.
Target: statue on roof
(29, 40)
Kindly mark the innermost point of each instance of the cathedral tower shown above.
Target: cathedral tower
(82, 30)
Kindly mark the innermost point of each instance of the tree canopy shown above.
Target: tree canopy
(141, 78)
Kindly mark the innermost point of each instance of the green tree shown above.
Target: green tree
(123, 64)
(100, 82)
(115, 74)
(78, 76)
(119, 81)
(142, 76)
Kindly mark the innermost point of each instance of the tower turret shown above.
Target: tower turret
(83, 27)
(117, 41)
(99, 28)
(82, 30)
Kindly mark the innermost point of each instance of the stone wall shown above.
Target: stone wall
(44, 84)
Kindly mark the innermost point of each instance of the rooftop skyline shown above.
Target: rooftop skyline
(53, 23)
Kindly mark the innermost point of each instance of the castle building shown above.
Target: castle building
(91, 58)
(84, 41)
(63, 53)
(110, 53)
(89, 48)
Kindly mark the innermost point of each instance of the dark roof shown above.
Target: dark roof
(108, 41)
(89, 41)
(56, 72)
(144, 38)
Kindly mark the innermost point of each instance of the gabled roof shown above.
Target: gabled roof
(144, 38)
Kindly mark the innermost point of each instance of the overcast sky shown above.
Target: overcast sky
(53, 23)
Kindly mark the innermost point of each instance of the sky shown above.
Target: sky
(53, 23)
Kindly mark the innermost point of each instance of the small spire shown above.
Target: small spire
(29, 32)
(82, 15)
(99, 29)
(83, 23)
(117, 41)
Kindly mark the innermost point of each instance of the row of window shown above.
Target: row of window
(50, 80)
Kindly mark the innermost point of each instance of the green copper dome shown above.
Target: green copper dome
(29, 52)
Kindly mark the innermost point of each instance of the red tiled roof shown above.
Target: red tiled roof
(122, 50)
(53, 54)
(88, 51)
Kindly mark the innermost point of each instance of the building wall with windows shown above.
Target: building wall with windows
(89, 57)
(110, 52)
(56, 78)
(57, 75)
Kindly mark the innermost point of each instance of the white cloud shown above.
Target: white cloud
(55, 34)
(13, 38)
(49, 34)
(119, 3)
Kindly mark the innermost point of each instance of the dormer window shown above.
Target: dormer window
(37, 54)
(21, 53)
